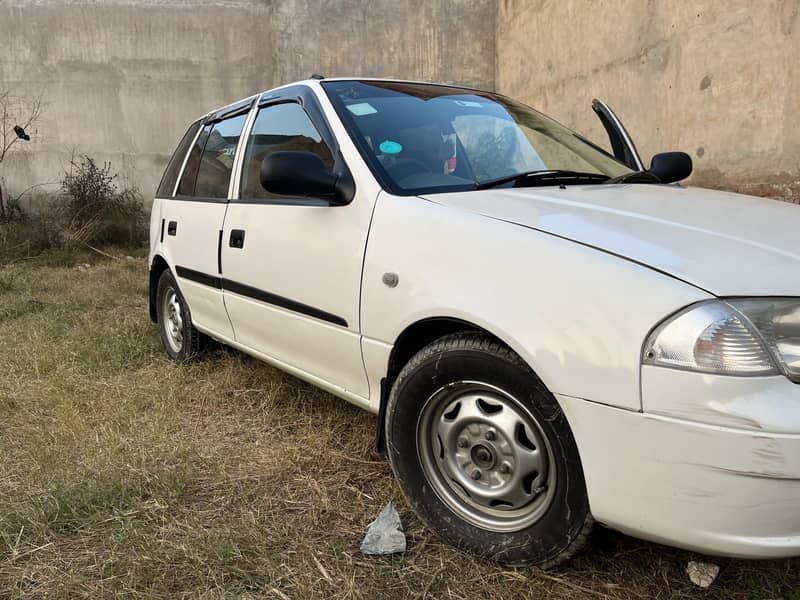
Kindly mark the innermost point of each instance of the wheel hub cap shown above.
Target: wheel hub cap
(486, 456)
(173, 321)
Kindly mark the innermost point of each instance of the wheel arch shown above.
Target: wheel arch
(157, 267)
(420, 333)
(414, 338)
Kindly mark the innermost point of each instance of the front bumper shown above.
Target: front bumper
(715, 489)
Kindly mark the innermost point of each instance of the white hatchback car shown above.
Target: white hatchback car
(551, 334)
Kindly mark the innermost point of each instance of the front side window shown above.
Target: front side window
(208, 169)
(277, 128)
(421, 138)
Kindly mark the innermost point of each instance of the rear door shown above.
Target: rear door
(622, 145)
(192, 220)
(292, 266)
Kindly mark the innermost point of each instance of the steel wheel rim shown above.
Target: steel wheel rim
(485, 456)
(173, 320)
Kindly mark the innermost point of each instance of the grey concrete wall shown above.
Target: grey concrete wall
(719, 79)
(123, 78)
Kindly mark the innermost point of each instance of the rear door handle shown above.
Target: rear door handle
(237, 238)
(172, 228)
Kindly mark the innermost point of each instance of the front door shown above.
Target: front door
(292, 266)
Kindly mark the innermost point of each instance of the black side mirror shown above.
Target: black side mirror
(295, 173)
(671, 166)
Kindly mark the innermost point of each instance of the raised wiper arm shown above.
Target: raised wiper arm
(549, 177)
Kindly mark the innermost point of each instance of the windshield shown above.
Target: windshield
(424, 138)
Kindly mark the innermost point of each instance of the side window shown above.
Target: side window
(216, 165)
(167, 185)
(208, 169)
(189, 177)
(276, 128)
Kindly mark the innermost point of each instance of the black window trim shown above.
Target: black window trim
(223, 115)
(233, 110)
(308, 101)
(201, 124)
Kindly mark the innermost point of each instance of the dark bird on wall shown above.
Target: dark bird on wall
(21, 133)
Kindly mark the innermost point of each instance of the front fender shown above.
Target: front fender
(577, 315)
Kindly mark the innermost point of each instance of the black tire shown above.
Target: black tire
(562, 525)
(192, 342)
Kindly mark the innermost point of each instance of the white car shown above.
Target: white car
(551, 335)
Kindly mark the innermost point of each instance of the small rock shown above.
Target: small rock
(385, 534)
(129, 258)
(702, 574)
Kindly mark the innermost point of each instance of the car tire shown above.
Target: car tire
(485, 456)
(181, 340)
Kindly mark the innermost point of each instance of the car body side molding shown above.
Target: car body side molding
(258, 294)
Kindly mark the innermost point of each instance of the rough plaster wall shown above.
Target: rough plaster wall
(719, 79)
(123, 78)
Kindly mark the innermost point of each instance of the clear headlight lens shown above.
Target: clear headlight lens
(778, 322)
(758, 336)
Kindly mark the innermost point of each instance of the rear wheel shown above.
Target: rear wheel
(180, 339)
(484, 454)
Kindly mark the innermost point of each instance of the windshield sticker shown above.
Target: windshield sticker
(390, 147)
(361, 109)
(469, 103)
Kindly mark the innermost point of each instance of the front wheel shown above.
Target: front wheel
(484, 454)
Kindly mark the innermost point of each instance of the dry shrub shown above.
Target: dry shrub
(96, 208)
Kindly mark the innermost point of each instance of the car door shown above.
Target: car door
(193, 219)
(622, 145)
(292, 266)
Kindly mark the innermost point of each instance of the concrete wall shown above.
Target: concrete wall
(123, 78)
(719, 79)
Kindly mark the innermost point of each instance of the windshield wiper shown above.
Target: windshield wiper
(549, 177)
(636, 177)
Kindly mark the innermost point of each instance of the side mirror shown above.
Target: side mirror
(294, 173)
(670, 167)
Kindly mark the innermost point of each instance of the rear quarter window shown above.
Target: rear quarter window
(166, 188)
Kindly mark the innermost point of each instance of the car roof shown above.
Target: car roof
(312, 81)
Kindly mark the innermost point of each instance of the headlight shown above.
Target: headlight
(758, 336)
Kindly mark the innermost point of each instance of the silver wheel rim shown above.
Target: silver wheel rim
(173, 320)
(486, 456)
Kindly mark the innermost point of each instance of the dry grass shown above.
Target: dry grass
(123, 474)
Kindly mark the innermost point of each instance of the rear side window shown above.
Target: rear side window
(279, 127)
(167, 185)
(208, 169)
(186, 186)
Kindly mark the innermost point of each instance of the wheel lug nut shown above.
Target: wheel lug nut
(490, 435)
(505, 468)
(463, 442)
(476, 474)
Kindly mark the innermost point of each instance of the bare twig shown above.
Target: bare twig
(18, 556)
(279, 593)
(430, 583)
(322, 569)
(200, 416)
(569, 584)
(101, 252)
